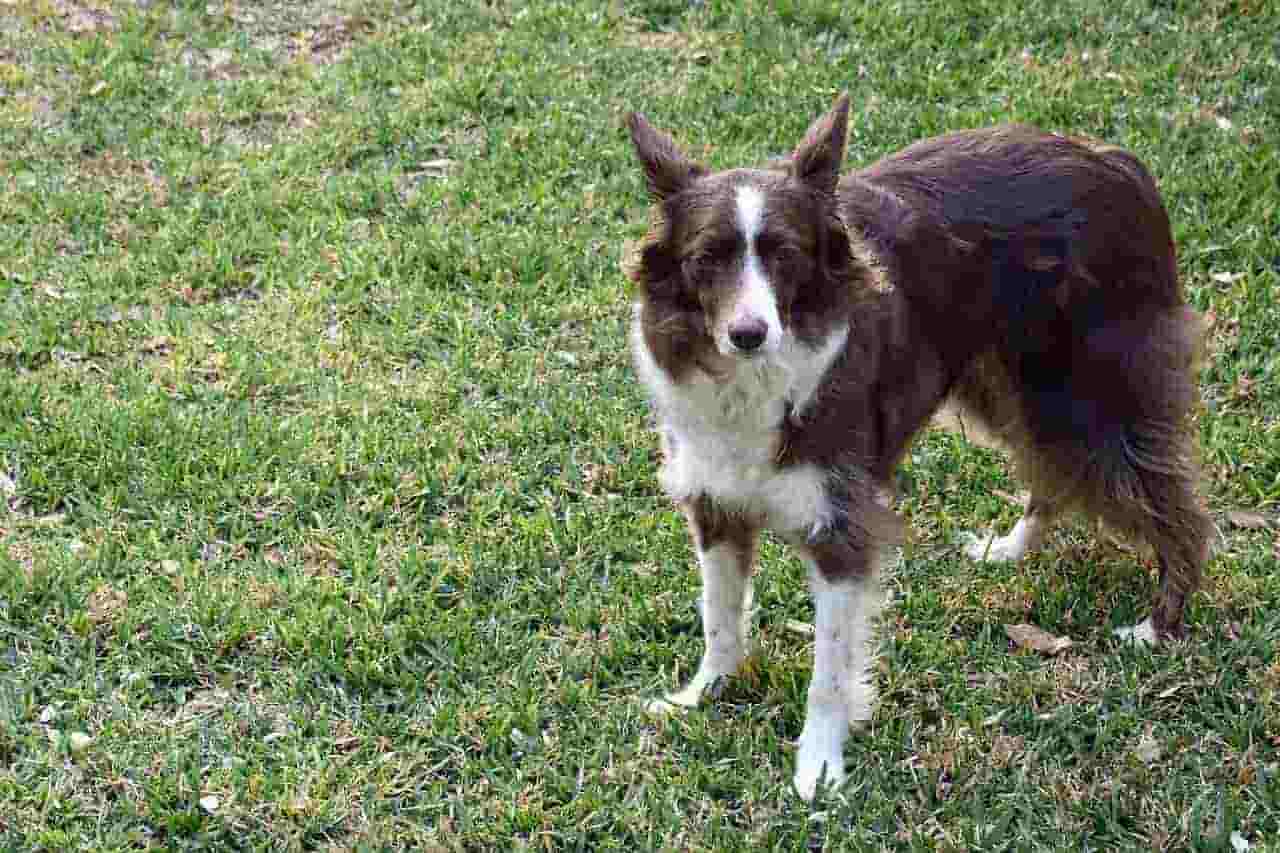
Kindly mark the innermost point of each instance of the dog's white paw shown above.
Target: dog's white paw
(821, 753)
(706, 684)
(1144, 633)
(812, 768)
(989, 548)
(664, 707)
(673, 703)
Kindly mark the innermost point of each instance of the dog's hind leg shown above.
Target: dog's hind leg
(726, 550)
(984, 410)
(1027, 535)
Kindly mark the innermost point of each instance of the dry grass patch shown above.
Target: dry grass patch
(106, 605)
(1062, 74)
(317, 32)
(77, 17)
(128, 181)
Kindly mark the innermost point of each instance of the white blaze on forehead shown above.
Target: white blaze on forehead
(756, 297)
(750, 212)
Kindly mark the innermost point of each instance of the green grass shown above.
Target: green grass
(328, 506)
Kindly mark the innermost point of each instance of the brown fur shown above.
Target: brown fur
(1029, 277)
(711, 525)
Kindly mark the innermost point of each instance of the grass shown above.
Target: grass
(329, 514)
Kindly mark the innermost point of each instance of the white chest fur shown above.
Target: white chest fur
(721, 438)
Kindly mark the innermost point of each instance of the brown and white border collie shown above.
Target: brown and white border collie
(795, 329)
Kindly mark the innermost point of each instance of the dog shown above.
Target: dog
(794, 329)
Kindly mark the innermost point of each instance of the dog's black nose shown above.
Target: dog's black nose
(748, 336)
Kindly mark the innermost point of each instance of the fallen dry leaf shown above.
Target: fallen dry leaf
(158, 345)
(1030, 637)
(1244, 388)
(436, 168)
(346, 744)
(1019, 499)
(1248, 520)
(1149, 749)
(87, 21)
(106, 603)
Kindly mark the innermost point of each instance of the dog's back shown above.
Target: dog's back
(1043, 269)
(1030, 221)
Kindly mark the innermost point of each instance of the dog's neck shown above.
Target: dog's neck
(750, 394)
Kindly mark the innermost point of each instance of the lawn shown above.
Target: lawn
(328, 511)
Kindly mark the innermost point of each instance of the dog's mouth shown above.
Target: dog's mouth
(731, 353)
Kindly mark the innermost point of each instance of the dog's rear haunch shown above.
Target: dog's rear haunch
(795, 329)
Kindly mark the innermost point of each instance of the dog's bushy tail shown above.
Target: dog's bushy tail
(1143, 477)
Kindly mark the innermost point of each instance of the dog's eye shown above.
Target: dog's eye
(790, 261)
(775, 251)
(720, 250)
(700, 263)
(693, 267)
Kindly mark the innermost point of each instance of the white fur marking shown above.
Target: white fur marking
(726, 620)
(1144, 634)
(1026, 535)
(809, 372)
(756, 298)
(721, 436)
(750, 204)
(841, 691)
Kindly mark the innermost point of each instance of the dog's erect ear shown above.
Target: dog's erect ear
(817, 159)
(667, 170)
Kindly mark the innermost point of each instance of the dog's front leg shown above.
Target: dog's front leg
(726, 549)
(846, 598)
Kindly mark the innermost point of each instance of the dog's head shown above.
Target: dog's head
(739, 261)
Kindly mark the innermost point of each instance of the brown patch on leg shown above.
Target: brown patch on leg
(843, 560)
(857, 524)
(710, 525)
